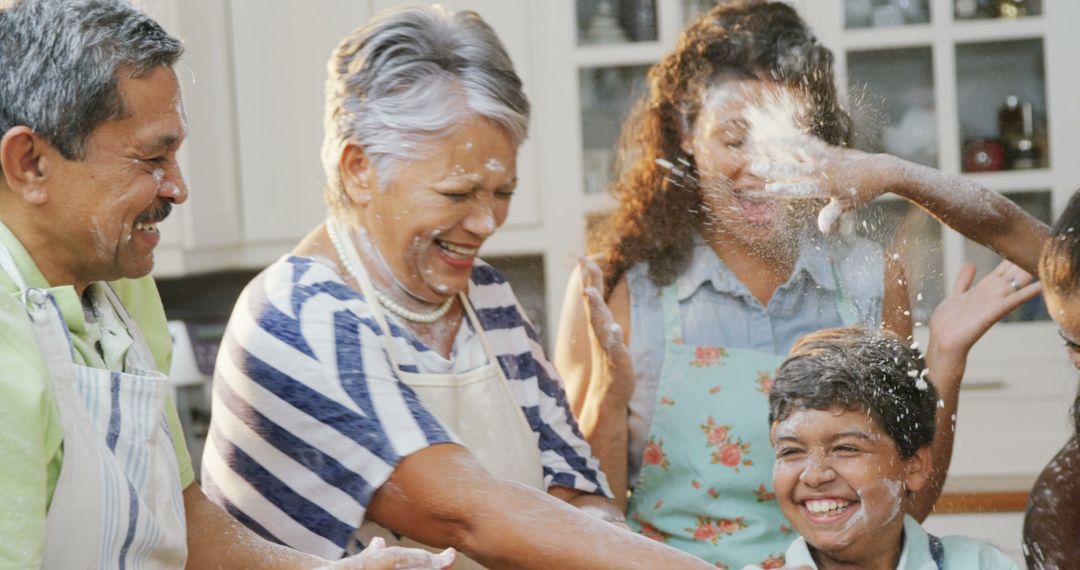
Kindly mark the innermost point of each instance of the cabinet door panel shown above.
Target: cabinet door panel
(280, 67)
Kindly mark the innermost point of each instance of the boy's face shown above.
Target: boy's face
(840, 480)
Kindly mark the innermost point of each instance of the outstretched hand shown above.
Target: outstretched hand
(378, 556)
(611, 364)
(969, 311)
(805, 166)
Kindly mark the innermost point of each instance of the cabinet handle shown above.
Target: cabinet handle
(983, 385)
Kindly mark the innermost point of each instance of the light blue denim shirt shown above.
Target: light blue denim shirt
(718, 310)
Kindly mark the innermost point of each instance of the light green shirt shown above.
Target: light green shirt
(30, 431)
(961, 553)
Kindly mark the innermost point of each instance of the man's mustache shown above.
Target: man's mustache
(155, 214)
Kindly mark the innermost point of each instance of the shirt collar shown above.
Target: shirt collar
(66, 298)
(915, 554)
(706, 267)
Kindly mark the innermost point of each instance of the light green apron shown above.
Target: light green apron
(706, 478)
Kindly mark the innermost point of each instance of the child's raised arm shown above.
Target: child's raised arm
(957, 323)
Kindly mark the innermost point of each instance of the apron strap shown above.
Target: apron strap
(669, 304)
(38, 302)
(937, 551)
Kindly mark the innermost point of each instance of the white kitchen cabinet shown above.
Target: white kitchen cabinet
(205, 233)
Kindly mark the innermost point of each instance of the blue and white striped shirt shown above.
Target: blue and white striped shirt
(310, 418)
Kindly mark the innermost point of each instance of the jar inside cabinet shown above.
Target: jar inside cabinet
(1001, 96)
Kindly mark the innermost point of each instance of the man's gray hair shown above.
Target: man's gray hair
(411, 75)
(61, 62)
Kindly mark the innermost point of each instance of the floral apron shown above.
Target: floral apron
(706, 478)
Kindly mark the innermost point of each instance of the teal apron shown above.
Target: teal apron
(706, 477)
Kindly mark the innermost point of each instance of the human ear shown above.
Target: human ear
(23, 163)
(917, 469)
(357, 174)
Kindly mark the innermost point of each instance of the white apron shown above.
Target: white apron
(476, 406)
(118, 502)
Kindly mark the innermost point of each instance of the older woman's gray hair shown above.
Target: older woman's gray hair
(61, 62)
(407, 78)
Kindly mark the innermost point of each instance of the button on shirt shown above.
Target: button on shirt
(718, 310)
(30, 431)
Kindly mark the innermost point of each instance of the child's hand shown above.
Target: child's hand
(968, 312)
(804, 166)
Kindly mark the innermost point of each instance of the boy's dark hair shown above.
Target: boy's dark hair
(856, 369)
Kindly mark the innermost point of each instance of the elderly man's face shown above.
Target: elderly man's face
(104, 209)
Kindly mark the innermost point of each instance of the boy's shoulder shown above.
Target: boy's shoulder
(962, 552)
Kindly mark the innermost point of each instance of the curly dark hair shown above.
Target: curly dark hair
(1059, 265)
(656, 217)
(857, 369)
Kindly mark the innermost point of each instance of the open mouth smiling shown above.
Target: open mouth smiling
(826, 510)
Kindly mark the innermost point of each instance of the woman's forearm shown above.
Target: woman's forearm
(442, 497)
(216, 540)
(603, 422)
(978, 213)
(518, 530)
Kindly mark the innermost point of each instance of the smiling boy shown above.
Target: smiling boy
(853, 419)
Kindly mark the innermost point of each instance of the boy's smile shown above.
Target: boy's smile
(840, 480)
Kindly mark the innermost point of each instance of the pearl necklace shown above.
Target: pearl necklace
(390, 304)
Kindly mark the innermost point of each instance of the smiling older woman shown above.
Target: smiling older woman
(381, 377)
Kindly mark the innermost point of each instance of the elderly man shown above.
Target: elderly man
(95, 473)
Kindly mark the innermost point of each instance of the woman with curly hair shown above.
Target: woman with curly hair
(714, 268)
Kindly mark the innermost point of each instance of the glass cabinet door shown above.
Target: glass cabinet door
(885, 13)
(607, 95)
(913, 238)
(1001, 103)
(616, 21)
(1038, 204)
(989, 9)
(891, 98)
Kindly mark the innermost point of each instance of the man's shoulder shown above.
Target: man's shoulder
(22, 367)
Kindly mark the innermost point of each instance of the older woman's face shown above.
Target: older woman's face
(431, 218)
